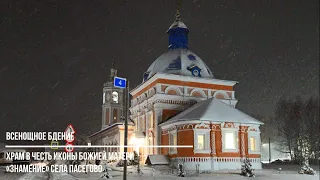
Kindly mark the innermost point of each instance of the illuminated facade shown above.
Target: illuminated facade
(181, 103)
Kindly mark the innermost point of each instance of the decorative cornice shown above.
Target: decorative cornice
(216, 127)
(202, 125)
(181, 78)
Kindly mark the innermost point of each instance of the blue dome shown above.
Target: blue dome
(179, 59)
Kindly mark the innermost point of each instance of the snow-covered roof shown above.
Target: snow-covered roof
(181, 62)
(109, 127)
(157, 160)
(213, 110)
(177, 24)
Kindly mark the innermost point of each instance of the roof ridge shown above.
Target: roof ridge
(215, 110)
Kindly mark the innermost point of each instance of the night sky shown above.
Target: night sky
(56, 55)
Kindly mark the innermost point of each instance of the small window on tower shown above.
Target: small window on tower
(104, 98)
(115, 97)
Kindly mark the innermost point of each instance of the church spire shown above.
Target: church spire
(178, 32)
(178, 13)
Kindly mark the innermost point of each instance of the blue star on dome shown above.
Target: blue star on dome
(175, 64)
(145, 76)
(195, 70)
(191, 57)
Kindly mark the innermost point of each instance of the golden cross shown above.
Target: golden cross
(179, 4)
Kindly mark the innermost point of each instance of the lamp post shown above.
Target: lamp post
(138, 163)
(126, 131)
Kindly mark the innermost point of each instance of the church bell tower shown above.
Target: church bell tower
(112, 101)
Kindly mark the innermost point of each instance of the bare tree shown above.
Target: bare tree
(285, 127)
(298, 128)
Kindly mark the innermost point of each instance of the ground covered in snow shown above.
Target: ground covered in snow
(265, 175)
(270, 172)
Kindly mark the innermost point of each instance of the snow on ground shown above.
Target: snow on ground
(34, 176)
(289, 172)
(286, 167)
(164, 174)
(265, 175)
(9, 176)
(62, 176)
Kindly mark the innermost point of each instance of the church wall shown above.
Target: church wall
(186, 137)
(217, 160)
(165, 142)
(107, 120)
(169, 97)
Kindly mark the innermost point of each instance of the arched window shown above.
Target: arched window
(115, 115)
(115, 97)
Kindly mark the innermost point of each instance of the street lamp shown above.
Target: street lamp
(124, 84)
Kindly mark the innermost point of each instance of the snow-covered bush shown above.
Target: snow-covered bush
(305, 169)
(246, 169)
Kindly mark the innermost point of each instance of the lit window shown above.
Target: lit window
(104, 98)
(200, 142)
(229, 140)
(115, 97)
(253, 144)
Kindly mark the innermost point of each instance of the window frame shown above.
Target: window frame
(256, 136)
(224, 131)
(206, 133)
(173, 150)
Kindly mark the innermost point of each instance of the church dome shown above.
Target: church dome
(179, 59)
(181, 62)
